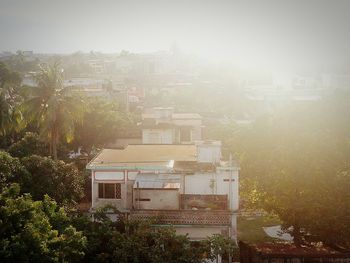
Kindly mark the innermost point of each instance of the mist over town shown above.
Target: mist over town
(174, 131)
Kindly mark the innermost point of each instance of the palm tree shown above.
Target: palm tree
(10, 116)
(53, 107)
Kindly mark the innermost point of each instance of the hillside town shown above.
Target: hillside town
(151, 133)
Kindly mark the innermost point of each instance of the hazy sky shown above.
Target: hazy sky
(247, 31)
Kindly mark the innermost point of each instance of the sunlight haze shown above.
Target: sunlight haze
(249, 33)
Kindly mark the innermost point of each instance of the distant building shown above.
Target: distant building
(90, 87)
(5, 54)
(29, 79)
(27, 53)
(163, 126)
(97, 65)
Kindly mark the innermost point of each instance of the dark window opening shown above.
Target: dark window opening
(109, 191)
(227, 180)
(142, 199)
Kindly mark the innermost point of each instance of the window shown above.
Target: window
(227, 180)
(109, 191)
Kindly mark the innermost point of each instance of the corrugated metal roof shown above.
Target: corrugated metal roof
(145, 155)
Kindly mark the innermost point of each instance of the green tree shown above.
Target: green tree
(60, 180)
(30, 144)
(10, 116)
(11, 170)
(130, 241)
(53, 107)
(294, 163)
(27, 232)
(102, 123)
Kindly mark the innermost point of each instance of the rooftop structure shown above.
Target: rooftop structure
(164, 126)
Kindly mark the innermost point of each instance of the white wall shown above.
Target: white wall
(187, 122)
(213, 183)
(159, 199)
(100, 202)
(106, 175)
(197, 133)
(209, 153)
(157, 136)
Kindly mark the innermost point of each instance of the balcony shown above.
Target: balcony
(184, 217)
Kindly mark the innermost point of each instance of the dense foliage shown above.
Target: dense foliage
(11, 170)
(103, 122)
(42, 176)
(53, 107)
(295, 164)
(59, 180)
(30, 144)
(41, 231)
(10, 116)
(36, 231)
(136, 241)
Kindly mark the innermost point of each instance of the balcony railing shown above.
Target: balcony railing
(184, 217)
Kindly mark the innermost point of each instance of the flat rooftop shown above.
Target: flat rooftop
(144, 154)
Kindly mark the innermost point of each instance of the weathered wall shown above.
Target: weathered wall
(158, 199)
(187, 122)
(197, 133)
(201, 232)
(196, 130)
(99, 202)
(213, 183)
(164, 136)
(209, 153)
(109, 177)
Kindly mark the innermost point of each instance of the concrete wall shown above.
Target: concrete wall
(99, 202)
(213, 183)
(199, 183)
(197, 133)
(158, 136)
(201, 232)
(209, 153)
(187, 122)
(109, 177)
(196, 128)
(159, 199)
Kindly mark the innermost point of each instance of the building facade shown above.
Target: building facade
(187, 186)
(163, 126)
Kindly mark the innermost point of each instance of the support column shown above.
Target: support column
(92, 188)
(125, 189)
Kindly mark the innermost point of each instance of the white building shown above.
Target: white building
(184, 185)
(163, 126)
